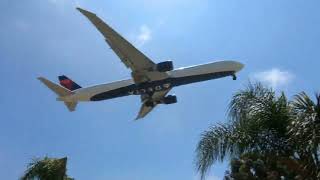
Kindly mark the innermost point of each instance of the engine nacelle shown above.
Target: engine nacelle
(170, 99)
(165, 66)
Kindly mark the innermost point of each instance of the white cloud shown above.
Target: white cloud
(144, 35)
(274, 77)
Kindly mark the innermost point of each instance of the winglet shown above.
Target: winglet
(85, 12)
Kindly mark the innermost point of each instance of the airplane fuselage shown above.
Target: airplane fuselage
(177, 77)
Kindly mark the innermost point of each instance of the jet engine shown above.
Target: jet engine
(165, 66)
(170, 99)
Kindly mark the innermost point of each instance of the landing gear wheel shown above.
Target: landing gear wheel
(234, 77)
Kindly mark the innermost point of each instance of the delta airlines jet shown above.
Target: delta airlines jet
(151, 81)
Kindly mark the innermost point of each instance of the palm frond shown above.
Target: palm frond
(214, 145)
(258, 122)
(304, 130)
(302, 104)
(248, 101)
(46, 169)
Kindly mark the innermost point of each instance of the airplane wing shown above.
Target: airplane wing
(139, 63)
(157, 96)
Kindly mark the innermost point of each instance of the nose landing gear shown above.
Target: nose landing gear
(234, 77)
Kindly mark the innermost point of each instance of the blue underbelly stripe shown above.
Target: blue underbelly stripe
(143, 88)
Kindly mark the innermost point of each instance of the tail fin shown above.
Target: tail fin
(68, 83)
(60, 91)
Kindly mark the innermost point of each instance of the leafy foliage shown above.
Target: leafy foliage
(253, 166)
(47, 169)
(265, 125)
(304, 131)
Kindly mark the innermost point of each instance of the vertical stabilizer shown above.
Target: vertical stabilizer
(68, 83)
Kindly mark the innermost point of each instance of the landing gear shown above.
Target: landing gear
(234, 77)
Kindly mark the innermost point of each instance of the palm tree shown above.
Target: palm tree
(258, 122)
(47, 169)
(305, 131)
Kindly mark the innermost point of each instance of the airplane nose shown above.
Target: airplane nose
(238, 66)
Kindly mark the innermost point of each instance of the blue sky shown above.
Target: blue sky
(276, 40)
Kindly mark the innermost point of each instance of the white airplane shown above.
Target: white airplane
(152, 81)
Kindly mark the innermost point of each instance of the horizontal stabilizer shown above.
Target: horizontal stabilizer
(60, 91)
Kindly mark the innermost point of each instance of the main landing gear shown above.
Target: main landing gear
(234, 77)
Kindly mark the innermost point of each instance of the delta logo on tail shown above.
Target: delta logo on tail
(68, 83)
